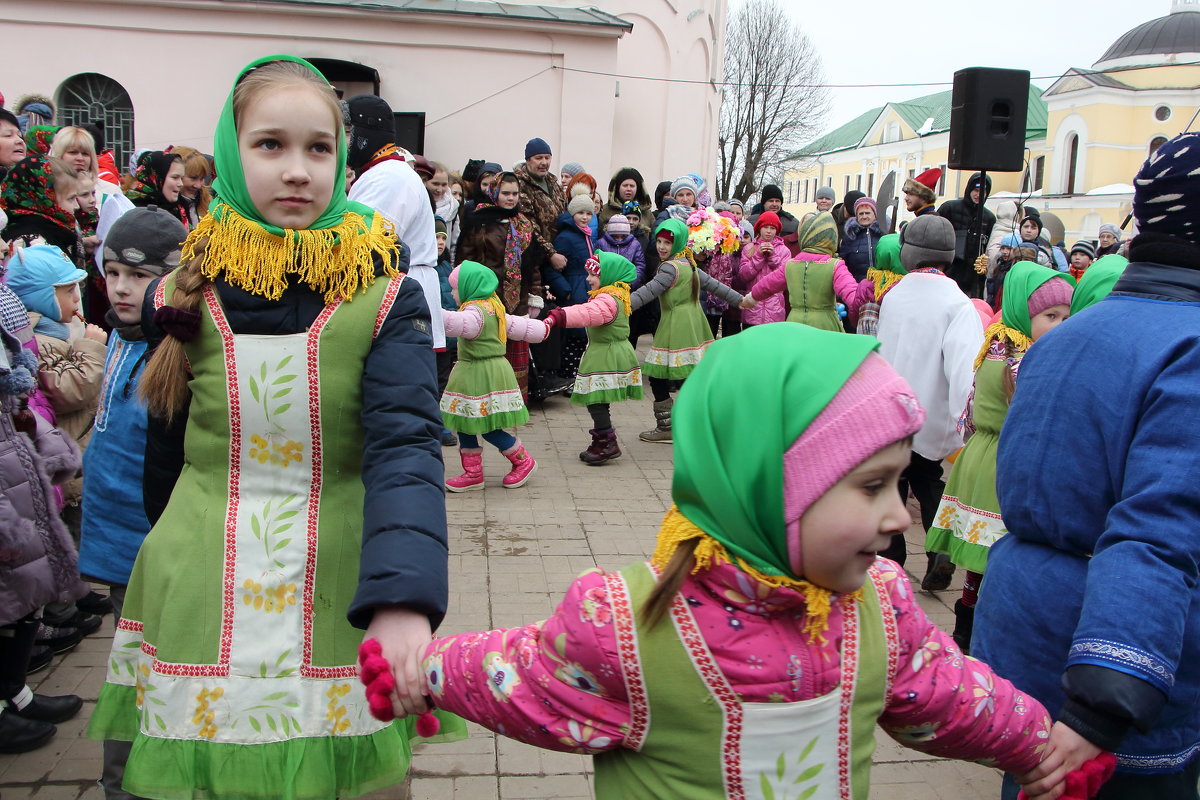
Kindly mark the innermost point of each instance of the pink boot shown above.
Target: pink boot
(523, 466)
(472, 477)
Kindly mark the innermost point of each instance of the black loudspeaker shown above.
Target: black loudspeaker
(988, 110)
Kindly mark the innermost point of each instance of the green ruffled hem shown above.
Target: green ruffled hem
(495, 422)
(662, 371)
(969, 556)
(608, 396)
(310, 768)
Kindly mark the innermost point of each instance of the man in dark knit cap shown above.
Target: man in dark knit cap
(772, 200)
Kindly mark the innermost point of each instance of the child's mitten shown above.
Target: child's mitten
(1085, 782)
(376, 674)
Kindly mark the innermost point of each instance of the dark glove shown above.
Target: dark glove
(557, 318)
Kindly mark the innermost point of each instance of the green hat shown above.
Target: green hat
(1023, 280)
(1097, 281)
(475, 281)
(614, 267)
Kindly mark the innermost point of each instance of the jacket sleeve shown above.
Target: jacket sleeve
(404, 553)
(71, 379)
(639, 258)
(163, 460)
(555, 684)
(845, 287)
(663, 279)
(770, 284)
(465, 324)
(713, 286)
(59, 454)
(950, 705)
(752, 265)
(524, 329)
(598, 310)
(960, 345)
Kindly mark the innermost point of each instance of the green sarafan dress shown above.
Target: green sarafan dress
(968, 520)
(683, 333)
(233, 671)
(482, 394)
(609, 370)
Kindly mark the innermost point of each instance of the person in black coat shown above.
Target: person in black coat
(970, 238)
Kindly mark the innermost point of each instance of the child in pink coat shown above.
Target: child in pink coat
(764, 256)
(754, 655)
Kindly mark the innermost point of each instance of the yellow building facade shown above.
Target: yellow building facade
(1087, 135)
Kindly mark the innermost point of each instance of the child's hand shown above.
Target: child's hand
(95, 333)
(1067, 751)
(748, 302)
(403, 635)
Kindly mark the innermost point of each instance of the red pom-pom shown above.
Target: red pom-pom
(428, 725)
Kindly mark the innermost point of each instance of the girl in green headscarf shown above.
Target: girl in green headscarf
(298, 360)
(968, 522)
(609, 371)
(683, 334)
(482, 395)
(815, 279)
(763, 643)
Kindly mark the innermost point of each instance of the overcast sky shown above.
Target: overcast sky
(882, 41)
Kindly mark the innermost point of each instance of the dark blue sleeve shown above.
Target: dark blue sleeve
(404, 552)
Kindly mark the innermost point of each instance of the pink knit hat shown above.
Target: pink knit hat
(617, 223)
(1054, 292)
(873, 409)
(864, 201)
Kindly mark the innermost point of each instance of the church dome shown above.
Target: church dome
(1159, 41)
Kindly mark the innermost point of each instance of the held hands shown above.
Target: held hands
(1073, 769)
(401, 635)
(376, 675)
(748, 302)
(557, 318)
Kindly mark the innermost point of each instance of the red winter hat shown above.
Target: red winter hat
(768, 218)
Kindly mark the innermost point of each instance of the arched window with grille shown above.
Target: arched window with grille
(89, 97)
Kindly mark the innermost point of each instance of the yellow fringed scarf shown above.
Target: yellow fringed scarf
(491, 305)
(884, 280)
(677, 529)
(619, 290)
(337, 261)
(1000, 332)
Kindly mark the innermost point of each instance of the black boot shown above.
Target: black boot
(47, 708)
(20, 735)
(603, 447)
(964, 624)
(938, 573)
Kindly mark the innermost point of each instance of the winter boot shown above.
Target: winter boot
(964, 624)
(523, 466)
(662, 415)
(472, 476)
(20, 735)
(48, 708)
(938, 573)
(603, 448)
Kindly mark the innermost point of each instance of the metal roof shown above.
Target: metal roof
(589, 16)
(1174, 33)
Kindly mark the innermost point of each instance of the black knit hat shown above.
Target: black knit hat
(372, 127)
(771, 192)
(1085, 247)
(147, 238)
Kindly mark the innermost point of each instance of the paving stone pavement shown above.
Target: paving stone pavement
(512, 554)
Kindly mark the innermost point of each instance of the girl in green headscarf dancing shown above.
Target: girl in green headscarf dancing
(968, 523)
(298, 358)
(756, 652)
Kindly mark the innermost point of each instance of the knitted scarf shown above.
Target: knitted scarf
(1014, 328)
(335, 255)
(616, 273)
(888, 269)
(729, 482)
(477, 287)
(29, 189)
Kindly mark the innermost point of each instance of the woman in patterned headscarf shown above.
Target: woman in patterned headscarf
(158, 181)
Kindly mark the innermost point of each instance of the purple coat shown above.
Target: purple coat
(631, 248)
(38, 562)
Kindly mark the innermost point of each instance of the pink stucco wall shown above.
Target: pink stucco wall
(486, 86)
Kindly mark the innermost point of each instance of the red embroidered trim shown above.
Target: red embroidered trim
(389, 299)
(849, 673)
(631, 665)
(160, 294)
(891, 631)
(235, 467)
(313, 347)
(129, 625)
(184, 670)
(710, 673)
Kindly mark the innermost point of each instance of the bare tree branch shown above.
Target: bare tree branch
(762, 125)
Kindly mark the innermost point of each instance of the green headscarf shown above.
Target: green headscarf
(729, 463)
(230, 184)
(475, 282)
(819, 235)
(337, 255)
(1023, 280)
(887, 255)
(679, 234)
(1097, 281)
(615, 267)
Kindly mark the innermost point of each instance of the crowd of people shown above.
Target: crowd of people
(227, 382)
